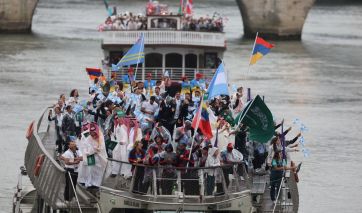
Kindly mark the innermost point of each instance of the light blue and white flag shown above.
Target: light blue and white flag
(77, 108)
(218, 84)
(115, 68)
(135, 55)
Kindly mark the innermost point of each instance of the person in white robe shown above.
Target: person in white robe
(95, 145)
(126, 133)
(83, 170)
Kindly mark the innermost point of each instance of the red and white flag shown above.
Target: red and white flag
(188, 7)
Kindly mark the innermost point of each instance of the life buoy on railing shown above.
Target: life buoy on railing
(29, 132)
(38, 163)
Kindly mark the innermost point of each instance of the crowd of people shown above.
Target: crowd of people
(150, 123)
(129, 21)
(203, 24)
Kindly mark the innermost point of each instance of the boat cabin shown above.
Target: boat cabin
(172, 43)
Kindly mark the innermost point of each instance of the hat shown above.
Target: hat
(72, 138)
(121, 113)
(166, 74)
(199, 75)
(183, 143)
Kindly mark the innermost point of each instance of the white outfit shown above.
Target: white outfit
(223, 138)
(96, 171)
(123, 148)
(83, 169)
(70, 155)
(235, 156)
(212, 161)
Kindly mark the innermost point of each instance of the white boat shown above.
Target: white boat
(182, 53)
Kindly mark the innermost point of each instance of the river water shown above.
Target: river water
(318, 80)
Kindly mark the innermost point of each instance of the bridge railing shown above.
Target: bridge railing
(175, 73)
(188, 38)
(50, 181)
(175, 182)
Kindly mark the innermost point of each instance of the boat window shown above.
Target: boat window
(153, 60)
(191, 61)
(174, 60)
(174, 65)
(210, 60)
(163, 23)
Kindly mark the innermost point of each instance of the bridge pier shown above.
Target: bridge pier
(16, 15)
(274, 19)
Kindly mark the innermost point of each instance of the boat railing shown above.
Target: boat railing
(175, 73)
(184, 183)
(45, 173)
(159, 37)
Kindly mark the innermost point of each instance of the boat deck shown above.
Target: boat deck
(50, 185)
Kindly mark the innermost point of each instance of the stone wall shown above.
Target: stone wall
(16, 15)
(275, 19)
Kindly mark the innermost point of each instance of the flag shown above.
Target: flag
(181, 8)
(228, 117)
(106, 4)
(261, 48)
(188, 7)
(257, 116)
(94, 73)
(201, 121)
(135, 55)
(114, 68)
(218, 84)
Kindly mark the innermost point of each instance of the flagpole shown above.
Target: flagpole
(195, 130)
(283, 142)
(241, 118)
(138, 58)
(251, 55)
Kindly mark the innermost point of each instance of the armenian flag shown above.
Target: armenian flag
(94, 73)
(201, 121)
(261, 48)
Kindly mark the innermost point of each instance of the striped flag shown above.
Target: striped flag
(201, 121)
(188, 7)
(94, 73)
(218, 84)
(260, 49)
(181, 8)
(135, 55)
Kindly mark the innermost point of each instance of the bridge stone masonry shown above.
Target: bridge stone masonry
(277, 19)
(16, 15)
(274, 19)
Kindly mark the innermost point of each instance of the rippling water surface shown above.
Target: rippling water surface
(318, 80)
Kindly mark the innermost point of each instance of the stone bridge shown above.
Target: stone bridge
(278, 19)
